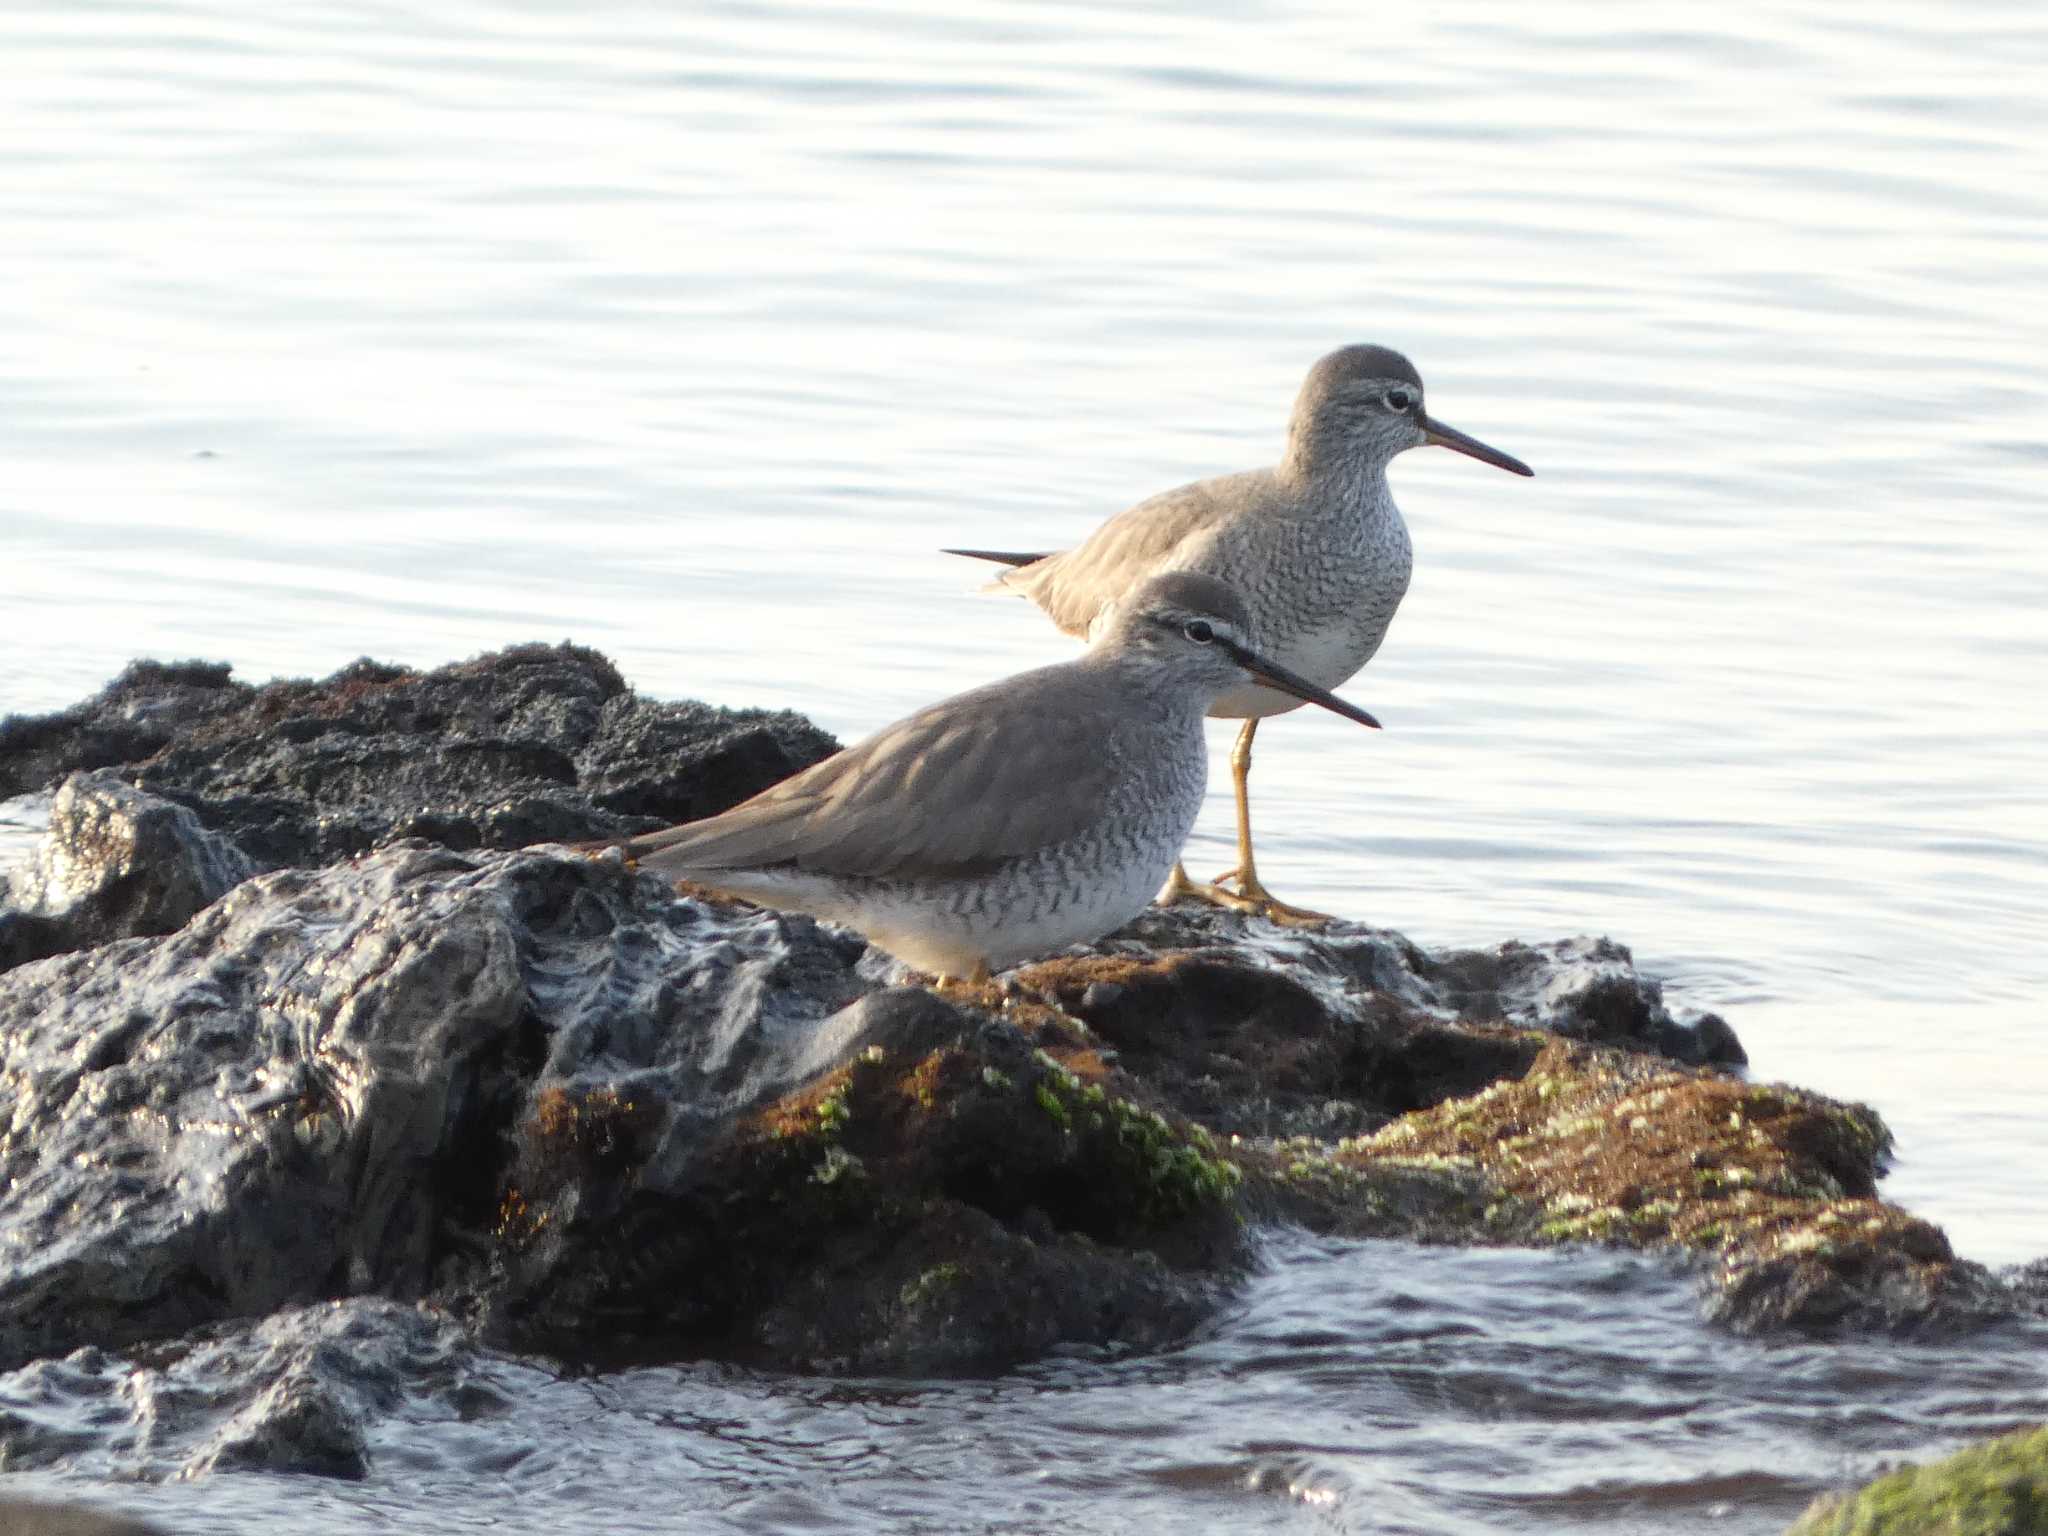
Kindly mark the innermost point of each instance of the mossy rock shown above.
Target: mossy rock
(1996, 1489)
(959, 1198)
(1774, 1188)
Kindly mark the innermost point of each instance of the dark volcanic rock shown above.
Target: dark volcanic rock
(304, 1092)
(279, 1095)
(944, 1195)
(1773, 1189)
(1247, 1049)
(26, 936)
(564, 1108)
(549, 1086)
(116, 864)
(537, 743)
(135, 716)
(543, 1088)
(292, 1392)
(1583, 988)
(1509, 1126)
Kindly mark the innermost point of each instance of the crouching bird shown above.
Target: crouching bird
(1010, 821)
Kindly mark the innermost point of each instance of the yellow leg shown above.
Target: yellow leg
(1251, 894)
(1178, 887)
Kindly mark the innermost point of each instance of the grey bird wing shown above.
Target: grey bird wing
(1161, 533)
(950, 791)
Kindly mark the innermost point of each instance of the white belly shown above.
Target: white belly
(1327, 656)
(1087, 909)
(927, 925)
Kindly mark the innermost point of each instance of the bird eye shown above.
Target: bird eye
(1199, 630)
(1398, 399)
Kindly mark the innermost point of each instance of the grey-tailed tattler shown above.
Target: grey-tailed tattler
(1012, 820)
(1314, 545)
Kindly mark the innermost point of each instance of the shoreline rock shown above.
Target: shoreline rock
(532, 744)
(288, 1026)
(1997, 1488)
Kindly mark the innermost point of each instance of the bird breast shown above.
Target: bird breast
(1324, 602)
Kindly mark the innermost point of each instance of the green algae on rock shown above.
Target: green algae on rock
(1368, 1113)
(1485, 1132)
(1775, 1186)
(1999, 1488)
(949, 1197)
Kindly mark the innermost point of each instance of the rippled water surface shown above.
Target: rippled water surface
(691, 333)
(1384, 1388)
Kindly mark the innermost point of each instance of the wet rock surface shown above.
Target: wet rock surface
(1772, 1189)
(291, 1392)
(117, 863)
(302, 1102)
(547, 1086)
(532, 744)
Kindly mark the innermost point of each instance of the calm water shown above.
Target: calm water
(692, 333)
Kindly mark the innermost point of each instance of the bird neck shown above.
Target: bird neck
(1336, 464)
(1152, 687)
(1338, 481)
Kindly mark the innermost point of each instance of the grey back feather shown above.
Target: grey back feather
(1179, 529)
(949, 792)
(1170, 531)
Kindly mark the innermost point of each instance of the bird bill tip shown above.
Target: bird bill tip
(1301, 688)
(1442, 436)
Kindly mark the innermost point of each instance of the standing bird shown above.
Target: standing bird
(1315, 545)
(1010, 821)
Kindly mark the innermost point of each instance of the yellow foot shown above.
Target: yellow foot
(1179, 888)
(975, 980)
(1251, 895)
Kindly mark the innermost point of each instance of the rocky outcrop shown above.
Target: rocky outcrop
(1773, 1190)
(531, 744)
(284, 1066)
(116, 863)
(290, 1392)
(1358, 1100)
(549, 1086)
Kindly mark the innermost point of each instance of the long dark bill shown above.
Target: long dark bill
(1451, 437)
(1273, 675)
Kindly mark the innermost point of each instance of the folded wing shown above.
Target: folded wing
(950, 791)
(1162, 533)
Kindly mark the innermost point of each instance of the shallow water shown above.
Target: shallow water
(1376, 1388)
(350, 328)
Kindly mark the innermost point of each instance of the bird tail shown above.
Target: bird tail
(1012, 558)
(632, 847)
(997, 556)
